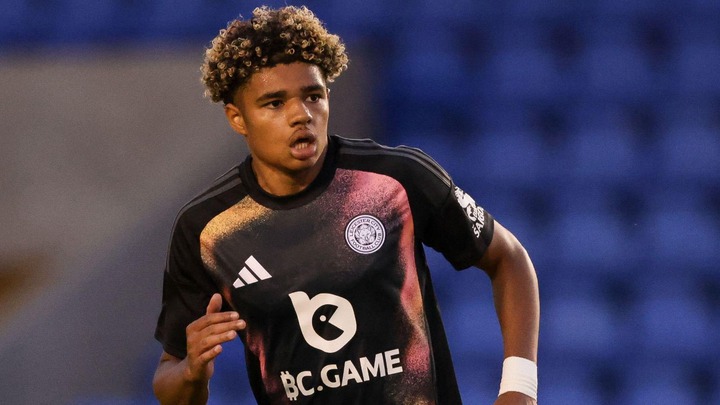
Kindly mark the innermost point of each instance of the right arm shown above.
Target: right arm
(185, 381)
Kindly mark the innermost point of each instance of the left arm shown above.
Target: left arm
(517, 300)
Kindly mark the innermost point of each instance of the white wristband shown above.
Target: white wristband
(519, 375)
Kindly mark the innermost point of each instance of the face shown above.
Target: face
(282, 112)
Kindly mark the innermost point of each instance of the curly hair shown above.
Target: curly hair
(270, 37)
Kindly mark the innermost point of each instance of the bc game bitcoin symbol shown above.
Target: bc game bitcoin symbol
(327, 321)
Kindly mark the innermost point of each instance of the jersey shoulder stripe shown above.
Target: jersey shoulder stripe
(368, 147)
(227, 181)
(223, 183)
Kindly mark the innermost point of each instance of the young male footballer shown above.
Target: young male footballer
(311, 249)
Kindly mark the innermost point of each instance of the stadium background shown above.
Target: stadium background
(590, 129)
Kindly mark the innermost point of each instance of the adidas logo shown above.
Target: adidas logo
(251, 273)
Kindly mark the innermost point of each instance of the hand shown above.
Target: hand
(205, 336)
(514, 398)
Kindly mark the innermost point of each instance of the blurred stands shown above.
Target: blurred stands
(590, 129)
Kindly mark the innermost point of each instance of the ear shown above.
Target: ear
(235, 119)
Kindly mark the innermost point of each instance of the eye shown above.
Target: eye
(314, 98)
(274, 104)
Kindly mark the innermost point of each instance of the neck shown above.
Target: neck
(284, 183)
(280, 184)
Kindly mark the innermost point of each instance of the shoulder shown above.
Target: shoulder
(223, 192)
(398, 161)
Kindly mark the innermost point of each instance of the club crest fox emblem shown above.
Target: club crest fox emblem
(365, 234)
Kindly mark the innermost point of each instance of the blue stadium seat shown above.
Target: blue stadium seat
(587, 239)
(342, 16)
(514, 156)
(682, 236)
(672, 323)
(524, 73)
(604, 153)
(12, 21)
(564, 380)
(682, 229)
(714, 396)
(636, 7)
(565, 392)
(581, 326)
(657, 382)
(660, 393)
(432, 95)
(514, 35)
(424, 63)
(537, 9)
(703, 8)
(498, 118)
(697, 67)
(456, 11)
(472, 325)
(618, 71)
(690, 150)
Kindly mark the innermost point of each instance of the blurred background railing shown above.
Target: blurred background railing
(590, 129)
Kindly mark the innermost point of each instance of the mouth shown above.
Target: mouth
(304, 144)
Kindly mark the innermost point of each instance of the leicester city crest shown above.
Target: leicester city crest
(365, 234)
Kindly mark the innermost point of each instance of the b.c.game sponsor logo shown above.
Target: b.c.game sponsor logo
(328, 323)
(332, 376)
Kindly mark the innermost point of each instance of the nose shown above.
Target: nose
(300, 114)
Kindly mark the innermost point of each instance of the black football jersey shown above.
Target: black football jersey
(332, 281)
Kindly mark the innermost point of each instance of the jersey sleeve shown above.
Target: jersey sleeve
(460, 229)
(187, 289)
(450, 220)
